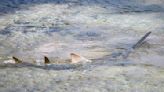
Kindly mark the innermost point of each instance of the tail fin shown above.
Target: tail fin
(141, 40)
(17, 60)
(46, 60)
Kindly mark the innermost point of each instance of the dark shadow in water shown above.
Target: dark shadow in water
(87, 66)
(9, 6)
(90, 35)
(103, 61)
(6, 30)
(109, 61)
(46, 67)
(138, 8)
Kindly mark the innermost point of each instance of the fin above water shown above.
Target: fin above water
(17, 60)
(46, 60)
(75, 58)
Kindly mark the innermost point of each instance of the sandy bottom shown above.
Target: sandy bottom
(95, 29)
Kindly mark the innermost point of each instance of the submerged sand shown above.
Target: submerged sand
(94, 29)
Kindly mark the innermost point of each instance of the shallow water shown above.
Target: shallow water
(94, 29)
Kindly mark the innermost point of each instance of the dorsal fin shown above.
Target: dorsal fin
(75, 58)
(46, 60)
(17, 60)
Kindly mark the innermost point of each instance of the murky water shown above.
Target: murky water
(94, 29)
